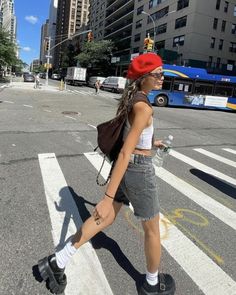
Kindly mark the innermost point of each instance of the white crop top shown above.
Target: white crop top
(145, 139)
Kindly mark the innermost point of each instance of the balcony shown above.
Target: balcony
(119, 10)
(123, 31)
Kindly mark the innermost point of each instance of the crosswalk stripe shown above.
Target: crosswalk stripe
(216, 157)
(82, 279)
(202, 167)
(185, 252)
(218, 210)
(230, 151)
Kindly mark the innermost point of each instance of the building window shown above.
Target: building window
(218, 60)
(210, 60)
(158, 14)
(150, 32)
(215, 23)
(182, 4)
(178, 41)
(137, 37)
(226, 7)
(233, 29)
(154, 3)
(213, 40)
(221, 44)
(223, 25)
(138, 24)
(160, 44)
(139, 10)
(232, 47)
(136, 50)
(235, 10)
(161, 29)
(181, 22)
(218, 4)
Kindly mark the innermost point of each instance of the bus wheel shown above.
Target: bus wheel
(161, 100)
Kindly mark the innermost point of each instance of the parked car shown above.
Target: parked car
(56, 76)
(92, 80)
(29, 78)
(114, 84)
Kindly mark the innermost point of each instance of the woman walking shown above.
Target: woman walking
(132, 180)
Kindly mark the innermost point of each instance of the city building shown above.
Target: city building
(35, 65)
(8, 18)
(52, 26)
(72, 15)
(43, 44)
(187, 32)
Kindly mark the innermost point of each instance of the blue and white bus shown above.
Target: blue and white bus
(195, 88)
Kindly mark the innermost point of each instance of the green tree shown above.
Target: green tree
(7, 50)
(96, 54)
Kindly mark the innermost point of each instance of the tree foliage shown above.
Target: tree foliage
(7, 50)
(96, 54)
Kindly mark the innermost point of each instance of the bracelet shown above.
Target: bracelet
(109, 196)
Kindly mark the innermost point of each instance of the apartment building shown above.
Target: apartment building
(71, 16)
(52, 25)
(44, 35)
(187, 32)
(8, 18)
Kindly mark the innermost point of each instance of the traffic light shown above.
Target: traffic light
(150, 45)
(90, 36)
(46, 45)
(145, 43)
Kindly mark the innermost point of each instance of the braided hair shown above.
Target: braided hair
(126, 101)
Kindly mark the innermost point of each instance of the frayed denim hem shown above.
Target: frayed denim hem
(146, 218)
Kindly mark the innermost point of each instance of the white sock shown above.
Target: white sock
(152, 278)
(64, 255)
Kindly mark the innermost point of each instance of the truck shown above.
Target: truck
(76, 76)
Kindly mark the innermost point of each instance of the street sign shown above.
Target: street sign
(48, 56)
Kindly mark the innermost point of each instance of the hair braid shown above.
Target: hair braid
(126, 100)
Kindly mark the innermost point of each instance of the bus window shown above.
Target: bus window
(224, 89)
(203, 88)
(234, 95)
(167, 83)
(183, 85)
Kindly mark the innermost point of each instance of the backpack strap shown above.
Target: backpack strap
(99, 172)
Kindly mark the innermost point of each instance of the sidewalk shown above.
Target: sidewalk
(31, 85)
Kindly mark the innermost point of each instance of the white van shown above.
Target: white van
(114, 84)
(92, 80)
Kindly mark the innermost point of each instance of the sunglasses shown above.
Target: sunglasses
(157, 75)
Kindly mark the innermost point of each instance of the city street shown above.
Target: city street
(48, 171)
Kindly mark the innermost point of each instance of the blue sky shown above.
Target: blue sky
(30, 14)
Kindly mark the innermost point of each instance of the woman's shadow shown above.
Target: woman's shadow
(101, 240)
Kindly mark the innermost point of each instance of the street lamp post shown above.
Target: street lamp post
(154, 27)
(48, 56)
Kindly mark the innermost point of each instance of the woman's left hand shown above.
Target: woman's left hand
(158, 144)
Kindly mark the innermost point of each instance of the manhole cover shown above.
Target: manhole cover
(69, 113)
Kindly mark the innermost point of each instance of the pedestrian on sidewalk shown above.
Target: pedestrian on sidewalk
(97, 86)
(132, 181)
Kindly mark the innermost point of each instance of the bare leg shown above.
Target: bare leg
(152, 243)
(90, 228)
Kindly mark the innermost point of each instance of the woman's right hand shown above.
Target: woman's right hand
(103, 208)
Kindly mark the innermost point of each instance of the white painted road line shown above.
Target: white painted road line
(206, 274)
(70, 117)
(216, 157)
(202, 167)
(47, 111)
(84, 273)
(215, 208)
(7, 101)
(26, 105)
(230, 151)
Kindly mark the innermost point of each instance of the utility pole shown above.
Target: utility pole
(48, 48)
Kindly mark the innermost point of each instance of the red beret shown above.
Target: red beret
(143, 64)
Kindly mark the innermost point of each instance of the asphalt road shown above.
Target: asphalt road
(46, 147)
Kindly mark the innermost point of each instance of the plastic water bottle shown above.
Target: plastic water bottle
(161, 152)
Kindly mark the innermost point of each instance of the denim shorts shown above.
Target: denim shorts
(139, 187)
